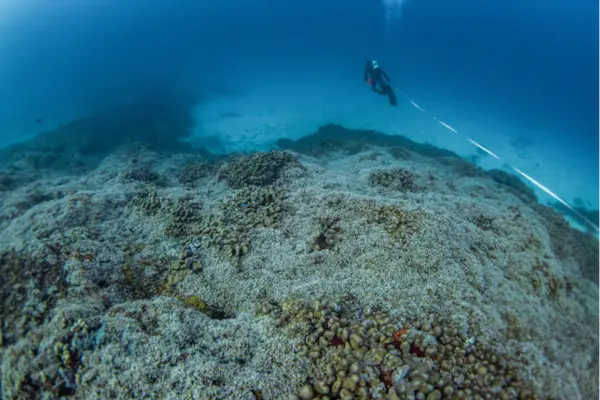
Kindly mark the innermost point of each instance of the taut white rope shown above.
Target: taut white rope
(523, 174)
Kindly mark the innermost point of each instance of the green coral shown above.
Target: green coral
(258, 169)
(195, 302)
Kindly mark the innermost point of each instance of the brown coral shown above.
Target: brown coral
(195, 171)
(397, 179)
(258, 169)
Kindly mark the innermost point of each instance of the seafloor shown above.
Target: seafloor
(345, 265)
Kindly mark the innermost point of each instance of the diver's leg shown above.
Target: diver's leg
(374, 85)
(392, 96)
(377, 83)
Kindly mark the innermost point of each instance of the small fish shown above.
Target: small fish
(37, 121)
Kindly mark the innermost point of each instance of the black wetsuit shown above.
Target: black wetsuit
(380, 82)
(379, 79)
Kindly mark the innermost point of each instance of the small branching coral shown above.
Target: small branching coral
(256, 207)
(548, 284)
(195, 171)
(463, 168)
(250, 208)
(184, 220)
(141, 174)
(149, 202)
(397, 179)
(258, 169)
(186, 264)
(196, 303)
(483, 222)
(400, 224)
(328, 234)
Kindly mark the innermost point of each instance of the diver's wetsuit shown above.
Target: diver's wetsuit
(379, 80)
(378, 77)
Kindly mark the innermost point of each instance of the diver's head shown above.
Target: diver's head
(371, 64)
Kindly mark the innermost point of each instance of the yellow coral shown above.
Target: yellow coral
(196, 303)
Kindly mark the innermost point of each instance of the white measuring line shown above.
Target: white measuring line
(523, 174)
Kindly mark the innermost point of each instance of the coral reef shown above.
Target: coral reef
(363, 353)
(257, 169)
(400, 153)
(399, 223)
(250, 208)
(229, 231)
(227, 227)
(148, 201)
(183, 266)
(395, 179)
(513, 182)
(30, 289)
(123, 288)
(145, 120)
(196, 303)
(328, 234)
(6, 182)
(54, 368)
(256, 207)
(570, 244)
(581, 214)
(335, 138)
(462, 167)
(184, 219)
(141, 174)
(195, 171)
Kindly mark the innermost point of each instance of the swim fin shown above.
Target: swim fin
(391, 95)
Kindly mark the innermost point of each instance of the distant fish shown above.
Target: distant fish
(37, 121)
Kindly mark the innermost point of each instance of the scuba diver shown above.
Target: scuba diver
(379, 81)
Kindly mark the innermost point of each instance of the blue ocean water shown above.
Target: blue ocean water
(517, 76)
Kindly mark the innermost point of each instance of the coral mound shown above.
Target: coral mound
(369, 267)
